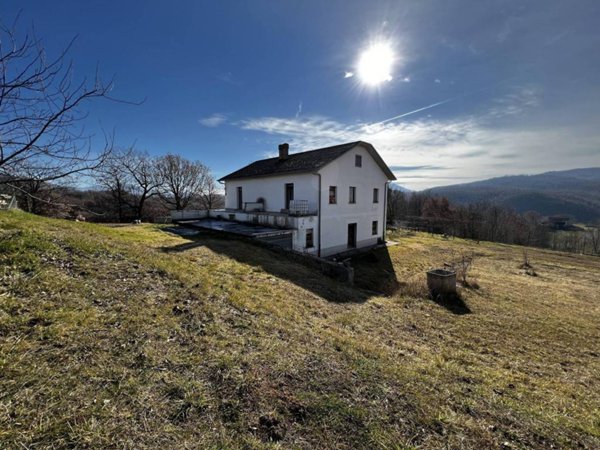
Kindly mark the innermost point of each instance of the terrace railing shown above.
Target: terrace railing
(298, 207)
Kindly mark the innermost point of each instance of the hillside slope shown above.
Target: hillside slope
(572, 192)
(132, 337)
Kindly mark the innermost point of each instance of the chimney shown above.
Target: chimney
(284, 150)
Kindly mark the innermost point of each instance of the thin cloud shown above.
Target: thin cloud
(507, 156)
(348, 74)
(515, 103)
(228, 77)
(412, 168)
(473, 154)
(299, 111)
(557, 37)
(213, 120)
(428, 152)
(510, 26)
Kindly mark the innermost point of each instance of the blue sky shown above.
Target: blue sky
(515, 84)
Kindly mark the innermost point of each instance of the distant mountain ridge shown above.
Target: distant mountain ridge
(396, 187)
(575, 193)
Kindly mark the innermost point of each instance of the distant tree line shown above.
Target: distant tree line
(129, 185)
(484, 221)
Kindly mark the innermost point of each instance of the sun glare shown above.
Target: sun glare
(375, 64)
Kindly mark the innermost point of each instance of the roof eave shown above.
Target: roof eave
(266, 175)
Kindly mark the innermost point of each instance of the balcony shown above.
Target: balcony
(252, 213)
(296, 208)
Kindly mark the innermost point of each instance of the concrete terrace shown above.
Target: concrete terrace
(275, 236)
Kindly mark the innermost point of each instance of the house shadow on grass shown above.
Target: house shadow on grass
(453, 303)
(372, 273)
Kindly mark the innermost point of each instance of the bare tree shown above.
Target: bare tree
(113, 177)
(143, 180)
(181, 180)
(209, 193)
(40, 112)
(462, 266)
(594, 235)
(131, 177)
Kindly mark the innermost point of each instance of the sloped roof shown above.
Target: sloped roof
(309, 161)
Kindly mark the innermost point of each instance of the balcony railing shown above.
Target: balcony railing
(298, 207)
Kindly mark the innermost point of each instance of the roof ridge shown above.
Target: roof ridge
(313, 150)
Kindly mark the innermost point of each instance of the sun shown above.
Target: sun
(375, 64)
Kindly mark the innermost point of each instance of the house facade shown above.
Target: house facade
(333, 199)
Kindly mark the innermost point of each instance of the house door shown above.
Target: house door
(289, 194)
(351, 235)
(240, 201)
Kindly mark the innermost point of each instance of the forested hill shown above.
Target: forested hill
(575, 193)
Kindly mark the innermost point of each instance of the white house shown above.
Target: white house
(332, 199)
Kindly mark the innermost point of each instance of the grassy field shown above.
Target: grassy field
(132, 337)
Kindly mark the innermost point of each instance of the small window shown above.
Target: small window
(375, 195)
(332, 195)
(358, 160)
(309, 238)
(374, 227)
(352, 196)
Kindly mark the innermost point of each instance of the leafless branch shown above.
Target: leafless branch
(41, 112)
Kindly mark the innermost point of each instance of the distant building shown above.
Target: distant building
(7, 201)
(333, 199)
(558, 222)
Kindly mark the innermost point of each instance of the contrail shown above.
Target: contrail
(433, 105)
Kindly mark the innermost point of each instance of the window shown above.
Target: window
(358, 160)
(375, 195)
(332, 195)
(309, 238)
(289, 194)
(352, 197)
(374, 227)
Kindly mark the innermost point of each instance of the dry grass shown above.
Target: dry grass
(131, 337)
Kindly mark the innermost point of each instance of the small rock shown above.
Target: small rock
(177, 311)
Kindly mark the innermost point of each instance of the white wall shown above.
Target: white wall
(335, 218)
(272, 189)
(189, 214)
(299, 236)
